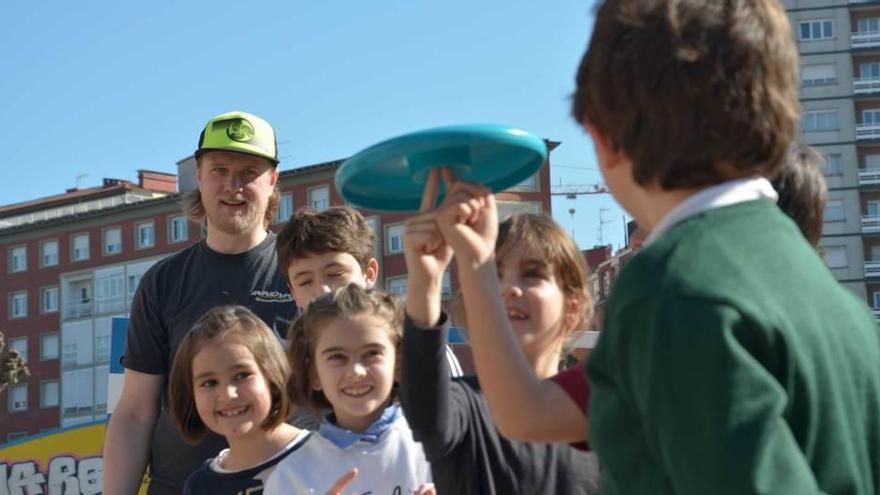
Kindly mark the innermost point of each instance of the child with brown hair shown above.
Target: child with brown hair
(344, 356)
(542, 284)
(229, 376)
(731, 360)
(802, 191)
(321, 251)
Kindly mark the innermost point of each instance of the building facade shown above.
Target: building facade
(71, 263)
(839, 43)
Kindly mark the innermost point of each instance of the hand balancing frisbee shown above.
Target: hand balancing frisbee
(390, 176)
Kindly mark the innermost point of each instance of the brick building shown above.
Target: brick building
(71, 262)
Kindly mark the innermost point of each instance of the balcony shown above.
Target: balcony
(865, 39)
(867, 132)
(869, 177)
(876, 312)
(870, 223)
(866, 85)
(872, 269)
(78, 309)
(115, 304)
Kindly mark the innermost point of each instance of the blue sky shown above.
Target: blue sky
(107, 88)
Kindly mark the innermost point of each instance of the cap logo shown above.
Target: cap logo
(240, 130)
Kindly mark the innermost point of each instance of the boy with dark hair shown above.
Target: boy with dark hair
(802, 191)
(731, 360)
(321, 251)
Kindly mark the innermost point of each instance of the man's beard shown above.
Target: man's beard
(236, 224)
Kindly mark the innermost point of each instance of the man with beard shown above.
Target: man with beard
(235, 264)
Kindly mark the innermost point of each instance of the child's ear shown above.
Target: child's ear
(371, 272)
(574, 312)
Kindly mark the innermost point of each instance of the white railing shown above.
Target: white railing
(110, 305)
(865, 39)
(869, 177)
(78, 310)
(867, 131)
(865, 85)
(872, 269)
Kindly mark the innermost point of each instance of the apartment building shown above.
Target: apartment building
(839, 42)
(70, 263)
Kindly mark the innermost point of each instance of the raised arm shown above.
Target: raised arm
(523, 406)
(127, 443)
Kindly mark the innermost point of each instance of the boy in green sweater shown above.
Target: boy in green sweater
(731, 360)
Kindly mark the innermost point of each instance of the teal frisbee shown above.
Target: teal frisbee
(390, 176)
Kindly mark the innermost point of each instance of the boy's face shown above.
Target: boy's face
(318, 274)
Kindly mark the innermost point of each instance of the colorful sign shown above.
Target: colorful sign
(66, 461)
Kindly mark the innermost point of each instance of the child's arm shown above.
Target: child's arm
(425, 383)
(523, 406)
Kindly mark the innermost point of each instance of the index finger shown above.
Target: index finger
(341, 483)
(429, 195)
(448, 178)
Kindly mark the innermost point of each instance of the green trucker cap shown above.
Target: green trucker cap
(240, 132)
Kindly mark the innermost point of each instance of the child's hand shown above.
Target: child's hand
(468, 221)
(426, 252)
(426, 489)
(427, 256)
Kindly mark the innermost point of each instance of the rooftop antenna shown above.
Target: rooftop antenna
(602, 223)
(82, 175)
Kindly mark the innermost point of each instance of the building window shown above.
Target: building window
(530, 184)
(145, 235)
(112, 241)
(877, 300)
(868, 25)
(835, 256)
(49, 253)
(80, 247)
(873, 208)
(18, 259)
(319, 198)
(49, 299)
(396, 285)
(869, 70)
(872, 162)
(822, 120)
(285, 208)
(102, 344)
(822, 29)
(20, 344)
(102, 375)
(832, 164)
(133, 281)
(870, 117)
(49, 393)
(110, 293)
(394, 238)
(49, 346)
(834, 211)
(818, 75)
(78, 393)
(178, 229)
(18, 304)
(18, 398)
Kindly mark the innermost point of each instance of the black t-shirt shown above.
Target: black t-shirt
(172, 295)
(450, 417)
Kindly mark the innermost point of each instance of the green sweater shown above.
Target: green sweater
(733, 362)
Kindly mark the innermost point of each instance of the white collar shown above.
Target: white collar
(724, 194)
